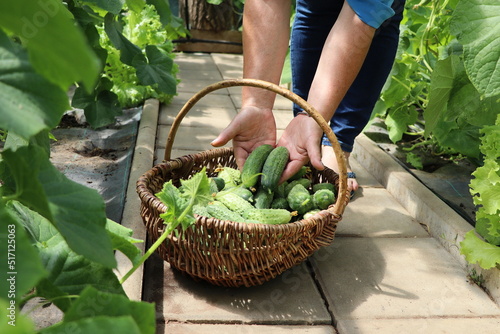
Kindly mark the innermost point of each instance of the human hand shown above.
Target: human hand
(302, 138)
(251, 128)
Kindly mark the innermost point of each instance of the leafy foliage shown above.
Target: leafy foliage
(55, 239)
(445, 80)
(431, 82)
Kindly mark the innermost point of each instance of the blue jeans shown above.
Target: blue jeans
(313, 21)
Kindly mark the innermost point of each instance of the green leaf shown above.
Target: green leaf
(156, 69)
(30, 103)
(79, 214)
(441, 85)
(477, 250)
(24, 165)
(463, 138)
(77, 211)
(69, 273)
(19, 260)
(196, 190)
(112, 6)
(121, 239)
(486, 182)
(476, 23)
(128, 50)
(13, 322)
(398, 121)
(176, 205)
(57, 47)
(103, 109)
(465, 103)
(135, 5)
(488, 226)
(93, 303)
(414, 160)
(96, 325)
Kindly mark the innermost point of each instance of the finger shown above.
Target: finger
(291, 169)
(224, 137)
(314, 153)
(240, 156)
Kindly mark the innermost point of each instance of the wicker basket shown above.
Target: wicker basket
(229, 253)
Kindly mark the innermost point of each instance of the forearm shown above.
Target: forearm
(341, 59)
(266, 30)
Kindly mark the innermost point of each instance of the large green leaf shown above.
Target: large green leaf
(128, 50)
(398, 121)
(101, 107)
(122, 240)
(156, 69)
(57, 47)
(488, 226)
(462, 138)
(24, 165)
(77, 211)
(19, 261)
(30, 103)
(441, 85)
(79, 214)
(476, 23)
(479, 251)
(16, 323)
(465, 102)
(93, 303)
(69, 273)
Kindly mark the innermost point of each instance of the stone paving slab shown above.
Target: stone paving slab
(243, 329)
(373, 278)
(420, 326)
(374, 213)
(211, 100)
(199, 116)
(292, 298)
(189, 138)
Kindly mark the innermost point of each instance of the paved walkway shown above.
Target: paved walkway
(386, 271)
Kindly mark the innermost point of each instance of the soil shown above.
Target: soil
(447, 176)
(97, 158)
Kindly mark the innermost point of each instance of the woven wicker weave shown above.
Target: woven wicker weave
(230, 253)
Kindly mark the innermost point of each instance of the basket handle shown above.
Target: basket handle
(342, 198)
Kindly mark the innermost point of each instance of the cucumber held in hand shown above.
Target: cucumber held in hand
(253, 165)
(274, 167)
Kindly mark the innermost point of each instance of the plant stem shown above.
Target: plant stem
(422, 143)
(170, 228)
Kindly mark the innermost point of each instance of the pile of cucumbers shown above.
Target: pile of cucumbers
(254, 195)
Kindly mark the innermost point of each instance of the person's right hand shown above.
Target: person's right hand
(251, 128)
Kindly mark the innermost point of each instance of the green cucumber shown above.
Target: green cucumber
(324, 185)
(323, 198)
(300, 199)
(280, 203)
(274, 167)
(223, 213)
(234, 202)
(253, 165)
(263, 198)
(269, 216)
(304, 182)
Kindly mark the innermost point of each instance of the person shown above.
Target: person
(341, 52)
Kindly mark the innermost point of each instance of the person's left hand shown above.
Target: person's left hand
(302, 138)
